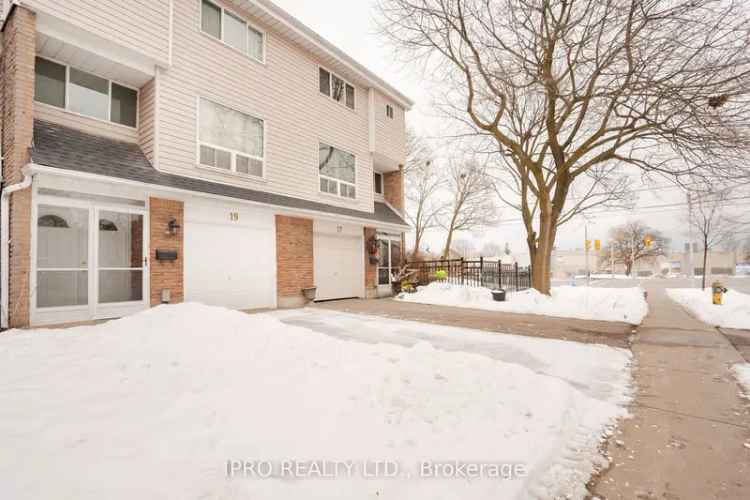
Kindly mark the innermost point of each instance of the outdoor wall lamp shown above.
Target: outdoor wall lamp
(173, 227)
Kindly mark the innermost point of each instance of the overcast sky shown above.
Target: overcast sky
(350, 25)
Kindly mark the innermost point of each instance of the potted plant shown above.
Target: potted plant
(401, 277)
(310, 293)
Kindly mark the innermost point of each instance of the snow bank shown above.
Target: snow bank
(742, 372)
(155, 405)
(603, 304)
(734, 313)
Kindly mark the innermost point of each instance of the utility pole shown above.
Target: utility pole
(588, 271)
(691, 272)
(612, 257)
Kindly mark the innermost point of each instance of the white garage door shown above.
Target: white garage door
(230, 256)
(339, 261)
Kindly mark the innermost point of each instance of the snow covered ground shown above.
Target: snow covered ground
(164, 403)
(603, 304)
(734, 313)
(742, 372)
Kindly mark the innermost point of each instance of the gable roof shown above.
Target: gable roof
(67, 148)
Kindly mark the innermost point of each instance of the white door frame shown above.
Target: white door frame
(93, 310)
(386, 289)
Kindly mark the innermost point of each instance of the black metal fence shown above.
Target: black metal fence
(477, 272)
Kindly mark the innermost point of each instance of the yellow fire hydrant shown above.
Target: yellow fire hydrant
(718, 292)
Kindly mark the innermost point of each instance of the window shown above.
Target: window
(337, 172)
(336, 88)
(83, 93)
(232, 30)
(124, 105)
(50, 83)
(378, 182)
(389, 111)
(230, 140)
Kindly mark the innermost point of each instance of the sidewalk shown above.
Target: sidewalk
(686, 439)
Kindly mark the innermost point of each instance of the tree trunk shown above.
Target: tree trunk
(448, 243)
(629, 268)
(705, 263)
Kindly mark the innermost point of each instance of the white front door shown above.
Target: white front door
(89, 261)
(339, 263)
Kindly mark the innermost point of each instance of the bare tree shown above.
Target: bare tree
(569, 90)
(424, 204)
(632, 242)
(464, 248)
(714, 225)
(491, 249)
(471, 203)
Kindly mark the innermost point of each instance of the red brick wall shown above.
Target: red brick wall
(166, 274)
(16, 109)
(371, 270)
(393, 188)
(294, 259)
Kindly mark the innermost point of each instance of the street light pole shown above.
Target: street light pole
(588, 270)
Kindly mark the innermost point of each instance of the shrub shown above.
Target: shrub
(441, 274)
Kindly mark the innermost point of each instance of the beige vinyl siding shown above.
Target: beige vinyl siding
(146, 115)
(390, 134)
(89, 125)
(141, 25)
(283, 92)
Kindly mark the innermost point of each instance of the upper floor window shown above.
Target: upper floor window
(231, 140)
(232, 30)
(336, 88)
(389, 111)
(378, 182)
(83, 93)
(337, 172)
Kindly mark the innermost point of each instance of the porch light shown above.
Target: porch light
(173, 227)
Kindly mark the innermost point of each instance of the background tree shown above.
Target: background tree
(491, 249)
(628, 245)
(571, 90)
(464, 248)
(470, 204)
(714, 225)
(424, 205)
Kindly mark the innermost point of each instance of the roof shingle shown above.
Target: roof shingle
(71, 149)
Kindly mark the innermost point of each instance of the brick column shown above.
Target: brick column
(393, 188)
(166, 274)
(371, 270)
(294, 260)
(17, 118)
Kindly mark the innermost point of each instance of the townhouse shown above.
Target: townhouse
(189, 150)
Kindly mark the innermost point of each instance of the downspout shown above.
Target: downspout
(5, 243)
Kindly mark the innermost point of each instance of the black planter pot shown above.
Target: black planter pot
(498, 295)
(396, 287)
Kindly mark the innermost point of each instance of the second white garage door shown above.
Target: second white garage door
(339, 261)
(230, 256)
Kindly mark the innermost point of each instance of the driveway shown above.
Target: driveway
(588, 332)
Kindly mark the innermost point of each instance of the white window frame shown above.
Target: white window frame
(338, 182)
(330, 88)
(108, 120)
(233, 153)
(252, 25)
(390, 238)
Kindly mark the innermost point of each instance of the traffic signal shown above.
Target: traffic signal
(588, 244)
(598, 245)
(648, 240)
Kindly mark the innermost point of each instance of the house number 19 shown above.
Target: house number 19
(234, 216)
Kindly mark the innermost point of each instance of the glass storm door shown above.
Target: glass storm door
(389, 260)
(120, 263)
(62, 258)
